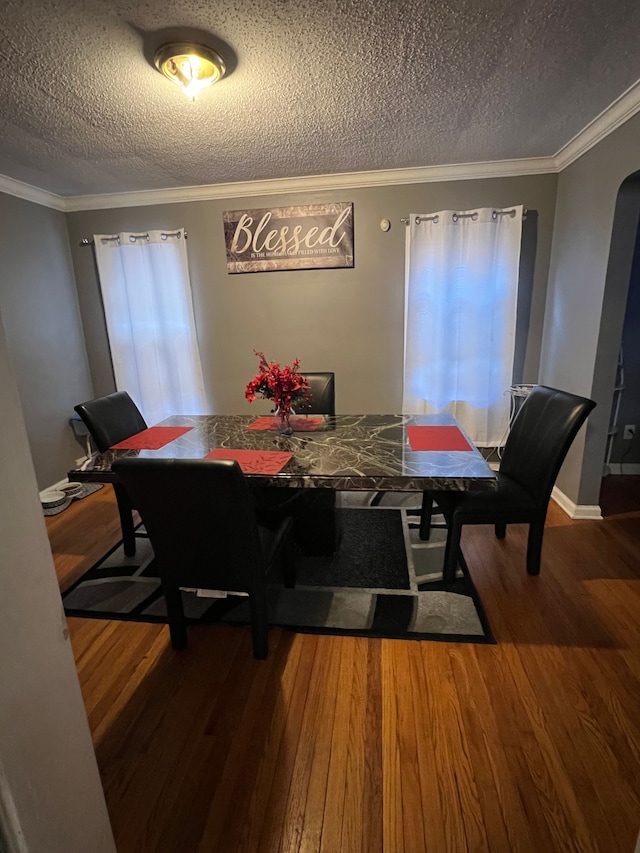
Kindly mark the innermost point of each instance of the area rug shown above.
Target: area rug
(382, 582)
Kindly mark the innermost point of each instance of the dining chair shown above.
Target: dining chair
(322, 394)
(111, 419)
(540, 437)
(315, 525)
(314, 510)
(201, 521)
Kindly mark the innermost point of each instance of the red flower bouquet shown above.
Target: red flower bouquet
(283, 385)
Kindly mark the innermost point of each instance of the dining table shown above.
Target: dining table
(341, 452)
(366, 452)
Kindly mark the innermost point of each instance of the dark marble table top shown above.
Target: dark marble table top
(347, 452)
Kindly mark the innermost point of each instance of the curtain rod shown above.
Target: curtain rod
(455, 216)
(134, 237)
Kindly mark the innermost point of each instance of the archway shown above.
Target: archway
(617, 367)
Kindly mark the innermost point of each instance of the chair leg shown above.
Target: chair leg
(452, 550)
(175, 615)
(259, 624)
(501, 530)
(425, 516)
(534, 546)
(125, 509)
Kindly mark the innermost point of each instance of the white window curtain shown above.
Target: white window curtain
(146, 294)
(461, 286)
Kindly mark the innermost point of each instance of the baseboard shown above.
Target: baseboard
(574, 510)
(631, 468)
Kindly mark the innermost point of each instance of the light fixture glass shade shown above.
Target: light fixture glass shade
(193, 67)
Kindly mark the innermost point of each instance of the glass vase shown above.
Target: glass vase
(282, 418)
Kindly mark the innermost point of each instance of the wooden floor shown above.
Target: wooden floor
(348, 744)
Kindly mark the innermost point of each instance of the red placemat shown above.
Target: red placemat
(151, 439)
(298, 423)
(254, 461)
(437, 438)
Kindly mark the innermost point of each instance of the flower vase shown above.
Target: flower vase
(282, 419)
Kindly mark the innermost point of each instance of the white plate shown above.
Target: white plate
(53, 497)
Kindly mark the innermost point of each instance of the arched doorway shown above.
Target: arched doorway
(618, 356)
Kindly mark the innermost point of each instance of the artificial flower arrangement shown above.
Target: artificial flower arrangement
(283, 385)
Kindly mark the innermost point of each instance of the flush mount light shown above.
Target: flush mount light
(192, 66)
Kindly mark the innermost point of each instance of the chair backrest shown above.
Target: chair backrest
(200, 517)
(322, 394)
(111, 419)
(541, 434)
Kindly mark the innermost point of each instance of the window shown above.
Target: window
(148, 308)
(461, 284)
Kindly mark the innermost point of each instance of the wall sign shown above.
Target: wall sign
(311, 236)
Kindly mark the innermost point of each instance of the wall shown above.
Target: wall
(349, 321)
(579, 348)
(50, 793)
(39, 303)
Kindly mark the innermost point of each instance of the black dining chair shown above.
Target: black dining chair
(322, 395)
(111, 419)
(314, 510)
(539, 439)
(315, 526)
(201, 520)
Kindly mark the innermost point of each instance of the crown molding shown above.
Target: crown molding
(30, 193)
(622, 109)
(315, 183)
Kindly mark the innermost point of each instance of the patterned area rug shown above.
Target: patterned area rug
(382, 582)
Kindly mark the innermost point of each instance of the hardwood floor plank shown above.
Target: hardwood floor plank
(285, 760)
(483, 819)
(334, 804)
(524, 761)
(315, 811)
(554, 788)
(355, 770)
(504, 810)
(583, 736)
(262, 760)
(451, 762)
(422, 682)
(223, 726)
(303, 770)
(372, 810)
(164, 730)
(393, 824)
(409, 717)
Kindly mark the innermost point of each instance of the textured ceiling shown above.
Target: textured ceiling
(316, 87)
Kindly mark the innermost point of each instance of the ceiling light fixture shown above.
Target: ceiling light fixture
(192, 66)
